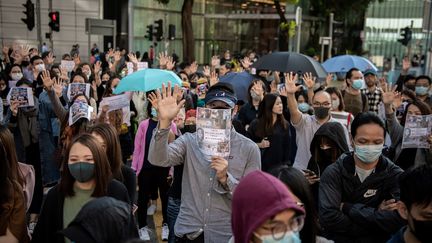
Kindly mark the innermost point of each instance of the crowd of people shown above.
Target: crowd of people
(310, 161)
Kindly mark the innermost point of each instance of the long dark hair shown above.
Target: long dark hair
(10, 175)
(108, 90)
(102, 173)
(113, 148)
(423, 107)
(300, 187)
(257, 81)
(265, 116)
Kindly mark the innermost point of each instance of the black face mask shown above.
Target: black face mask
(410, 87)
(422, 229)
(321, 112)
(193, 85)
(188, 128)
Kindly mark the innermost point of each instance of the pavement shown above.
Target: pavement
(154, 222)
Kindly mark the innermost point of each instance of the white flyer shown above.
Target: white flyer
(116, 102)
(213, 131)
(22, 95)
(416, 131)
(79, 110)
(68, 65)
(78, 88)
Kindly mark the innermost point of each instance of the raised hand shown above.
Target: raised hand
(309, 80)
(117, 56)
(77, 60)
(194, 67)
(133, 58)
(290, 83)
(162, 60)
(246, 62)
(389, 95)
(406, 64)
(170, 63)
(97, 67)
(206, 71)
(58, 86)
(47, 81)
(213, 78)
(166, 104)
(50, 58)
(220, 165)
(24, 50)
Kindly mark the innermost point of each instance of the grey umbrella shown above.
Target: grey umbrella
(290, 62)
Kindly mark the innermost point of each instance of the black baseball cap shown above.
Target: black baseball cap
(222, 92)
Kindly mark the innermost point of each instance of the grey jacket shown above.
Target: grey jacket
(205, 204)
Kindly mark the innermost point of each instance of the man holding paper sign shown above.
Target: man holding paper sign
(208, 182)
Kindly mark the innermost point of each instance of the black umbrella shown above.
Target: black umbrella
(290, 62)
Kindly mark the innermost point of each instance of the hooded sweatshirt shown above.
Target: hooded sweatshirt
(334, 132)
(270, 196)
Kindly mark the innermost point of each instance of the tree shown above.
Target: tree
(283, 34)
(187, 30)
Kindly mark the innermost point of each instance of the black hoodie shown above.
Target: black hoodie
(335, 132)
(359, 219)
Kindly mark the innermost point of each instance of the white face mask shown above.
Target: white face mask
(40, 67)
(16, 76)
(335, 104)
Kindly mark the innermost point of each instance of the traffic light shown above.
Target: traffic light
(406, 34)
(159, 29)
(30, 14)
(54, 23)
(171, 32)
(149, 32)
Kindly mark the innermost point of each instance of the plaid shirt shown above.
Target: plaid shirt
(374, 98)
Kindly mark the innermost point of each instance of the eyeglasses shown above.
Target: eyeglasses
(317, 104)
(279, 229)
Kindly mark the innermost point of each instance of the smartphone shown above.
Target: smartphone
(309, 172)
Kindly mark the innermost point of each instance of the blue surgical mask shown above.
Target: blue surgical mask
(154, 112)
(421, 90)
(303, 107)
(357, 84)
(289, 237)
(368, 153)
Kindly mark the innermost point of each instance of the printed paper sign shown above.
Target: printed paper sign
(213, 131)
(115, 102)
(141, 65)
(78, 88)
(68, 65)
(22, 95)
(79, 110)
(416, 131)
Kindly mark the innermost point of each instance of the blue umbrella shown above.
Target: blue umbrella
(344, 63)
(146, 80)
(240, 82)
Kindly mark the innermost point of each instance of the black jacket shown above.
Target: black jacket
(359, 220)
(51, 217)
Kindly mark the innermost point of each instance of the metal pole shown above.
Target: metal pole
(330, 47)
(50, 9)
(38, 24)
(299, 27)
(322, 52)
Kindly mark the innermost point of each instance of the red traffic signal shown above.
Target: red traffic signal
(54, 23)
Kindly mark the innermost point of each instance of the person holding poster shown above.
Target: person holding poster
(202, 218)
(405, 157)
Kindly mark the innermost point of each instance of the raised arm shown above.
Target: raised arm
(290, 89)
(52, 87)
(394, 127)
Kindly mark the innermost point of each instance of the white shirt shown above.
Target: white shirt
(305, 131)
